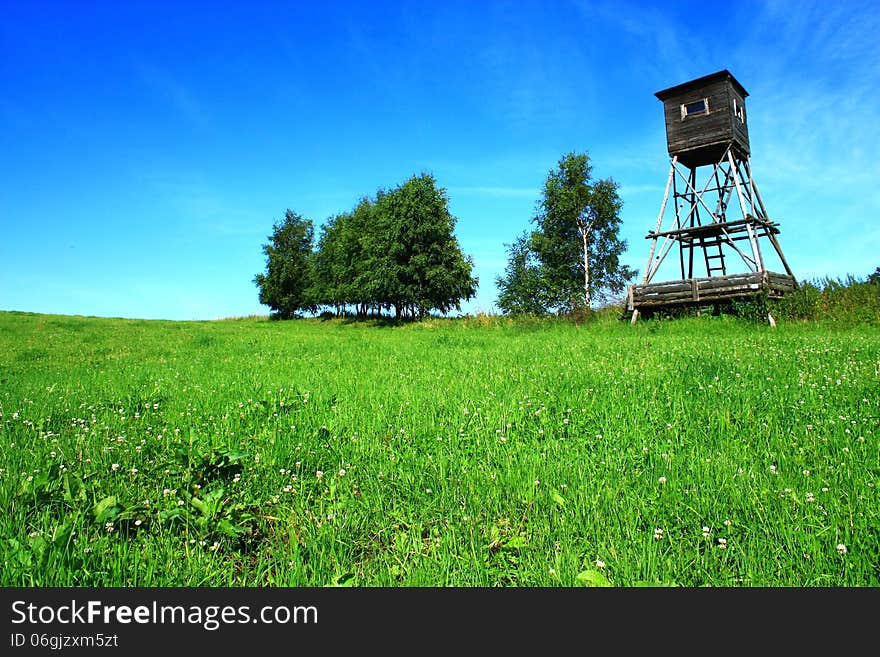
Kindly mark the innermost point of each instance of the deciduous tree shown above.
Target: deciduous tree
(288, 282)
(417, 262)
(520, 291)
(573, 254)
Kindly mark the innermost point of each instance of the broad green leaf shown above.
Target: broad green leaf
(200, 505)
(74, 491)
(106, 508)
(226, 527)
(592, 578)
(62, 533)
(38, 545)
(346, 579)
(516, 542)
(647, 584)
(558, 499)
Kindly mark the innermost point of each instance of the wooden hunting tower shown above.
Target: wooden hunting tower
(707, 133)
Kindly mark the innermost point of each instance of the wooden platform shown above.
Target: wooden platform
(697, 291)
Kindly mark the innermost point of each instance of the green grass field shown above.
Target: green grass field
(481, 452)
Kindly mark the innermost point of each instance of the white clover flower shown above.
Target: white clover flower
(722, 543)
(319, 474)
(662, 480)
(108, 526)
(600, 564)
(841, 548)
(706, 531)
(341, 472)
(114, 467)
(658, 534)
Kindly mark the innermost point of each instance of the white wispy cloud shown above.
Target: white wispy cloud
(195, 201)
(649, 28)
(631, 190)
(496, 192)
(172, 91)
(813, 128)
(812, 71)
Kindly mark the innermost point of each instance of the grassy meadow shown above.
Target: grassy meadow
(476, 452)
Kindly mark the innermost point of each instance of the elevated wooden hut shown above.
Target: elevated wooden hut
(704, 117)
(719, 219)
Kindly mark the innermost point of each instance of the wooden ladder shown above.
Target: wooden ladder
(714, 261)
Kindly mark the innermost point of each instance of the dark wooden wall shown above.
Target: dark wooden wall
(701, 139)
(740, 128)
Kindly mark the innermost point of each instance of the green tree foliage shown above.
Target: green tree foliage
(397, 252)
(332, 265)
(418, 265)
(520, 291)
(573, 254)
(348, 248)
(288, 283)
(848, 300)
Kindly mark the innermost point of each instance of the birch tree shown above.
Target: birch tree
(576, 241)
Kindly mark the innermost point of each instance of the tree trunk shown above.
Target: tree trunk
(586, 271)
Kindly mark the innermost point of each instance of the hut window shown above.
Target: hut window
(738, 110)
(695, 108)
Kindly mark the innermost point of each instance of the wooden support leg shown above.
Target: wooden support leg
(635, 316)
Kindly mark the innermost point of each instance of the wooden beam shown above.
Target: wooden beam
(648, 272)
(742, 203)
(712, 288)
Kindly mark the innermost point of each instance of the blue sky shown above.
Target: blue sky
(148, 147)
